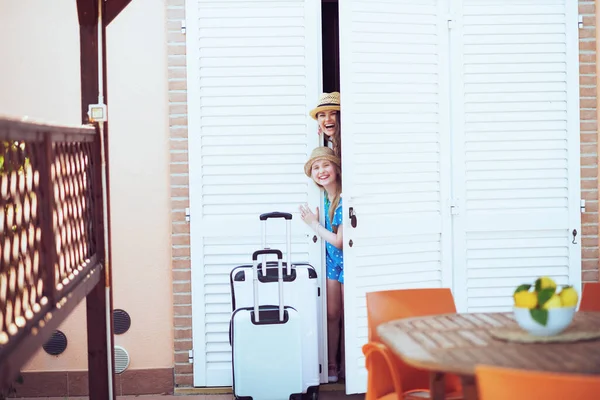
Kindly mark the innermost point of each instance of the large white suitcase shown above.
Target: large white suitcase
(301, 291)
(266, 345)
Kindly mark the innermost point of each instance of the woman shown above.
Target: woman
(324, 168)
(327, 114)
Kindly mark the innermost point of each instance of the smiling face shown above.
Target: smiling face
(328, 121)
(324, 172)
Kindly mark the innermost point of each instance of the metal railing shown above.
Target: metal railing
(51, 232)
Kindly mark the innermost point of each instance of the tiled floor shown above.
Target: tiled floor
(323, 395)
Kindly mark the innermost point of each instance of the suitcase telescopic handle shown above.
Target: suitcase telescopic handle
(257, 253)
(275, 214)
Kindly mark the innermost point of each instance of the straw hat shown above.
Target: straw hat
(319, 153)
(327, 101)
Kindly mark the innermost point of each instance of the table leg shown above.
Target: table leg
(437, 385)
(469, 387)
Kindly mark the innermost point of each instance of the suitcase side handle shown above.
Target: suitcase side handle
(267, 251)
(275, 214)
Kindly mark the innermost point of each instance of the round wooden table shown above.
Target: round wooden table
(456, 343)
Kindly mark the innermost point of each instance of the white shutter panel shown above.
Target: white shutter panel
(517, 128)
(253, 69)
(395, 141)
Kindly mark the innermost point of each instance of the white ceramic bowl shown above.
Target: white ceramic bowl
(558, 320)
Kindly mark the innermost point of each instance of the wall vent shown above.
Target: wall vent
(121, 359)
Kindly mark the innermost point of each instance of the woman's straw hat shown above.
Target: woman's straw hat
(327, 101)
(319, 153)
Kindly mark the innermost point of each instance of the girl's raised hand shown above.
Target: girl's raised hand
(307, 215)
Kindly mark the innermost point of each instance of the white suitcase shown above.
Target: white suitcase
(266, 345)
(301, 291)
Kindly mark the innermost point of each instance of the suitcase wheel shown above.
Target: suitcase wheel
(311, 394)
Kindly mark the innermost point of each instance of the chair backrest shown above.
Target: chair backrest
(590, 298)
(494, 383)
(389, 305)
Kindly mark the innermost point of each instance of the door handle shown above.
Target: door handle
(352, 216)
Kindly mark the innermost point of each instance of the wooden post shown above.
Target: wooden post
(97, 306)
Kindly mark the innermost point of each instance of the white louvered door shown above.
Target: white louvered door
(516, 148)
(394, 143)
(253, 74)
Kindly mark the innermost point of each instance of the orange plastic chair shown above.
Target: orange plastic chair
(389, 377)
(494, 383)
(590, 298)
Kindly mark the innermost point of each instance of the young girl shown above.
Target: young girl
(324, 168)
(327, 114)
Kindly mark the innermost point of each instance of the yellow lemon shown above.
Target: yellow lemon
(545, 283)
(554, 302)
(525, 299)
(569, 297)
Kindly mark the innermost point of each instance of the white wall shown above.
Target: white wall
(40, 78)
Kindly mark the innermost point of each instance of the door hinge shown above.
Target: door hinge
(318, 292)
(183, 27)
(582, 205)
(580, 22)
(191, 356)
(454, 209)
(450, 21)
(187, 214)
(320, 368)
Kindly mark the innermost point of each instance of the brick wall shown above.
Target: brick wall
(182, 289)
(182, 304)
(589, 140)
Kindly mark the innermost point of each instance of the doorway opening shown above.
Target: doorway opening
(331, 83)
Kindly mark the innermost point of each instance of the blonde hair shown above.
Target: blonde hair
(336, 196)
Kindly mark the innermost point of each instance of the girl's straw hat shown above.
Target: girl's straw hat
(319, 153)
(327, 101)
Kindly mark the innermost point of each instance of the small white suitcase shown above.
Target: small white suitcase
(266, 345)
(301, 291)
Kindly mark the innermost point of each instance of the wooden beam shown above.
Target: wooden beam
(113, 9)
(87, 10)
(97, 304)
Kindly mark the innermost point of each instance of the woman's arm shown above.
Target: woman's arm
(336, 239)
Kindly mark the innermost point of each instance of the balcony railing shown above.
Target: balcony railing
(51, 232)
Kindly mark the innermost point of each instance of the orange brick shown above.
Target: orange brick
(587, 8)
(182, 311)
(589, 265)
(178, 109)
(589, 21)
(184, 380)
(587, 69)
(178, 60)
(184, 368)
(185, 287)
(180, 228)
(589, 160)
(589, 253)
(180, 192)
(177, 216)
(177, 97)
(589, 172)
(182, 298)
(587, 57)
(179, 158)
(591, 206)
(590, 276)
(180, 121)
(175, 37)
(587, 92)
(588, 148)
(589, 242)
(173, 26)
(182, 275)
(180, 264)
(179, 168)
(179, 204)
(180, 252)
(589, 230)
(590, 195)
(587, 80)
(179, 84)
(583, 103)
(183, 344)
(587, 33)
(179, 144)
(181, 357)
(183, 333)
(180, 3)
(180, 240)
(177, 73)
(588, 126)
(587, 114)
(180, 180)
